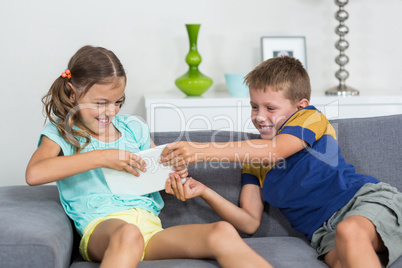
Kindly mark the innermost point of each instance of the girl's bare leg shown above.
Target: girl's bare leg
(116, 243)
(218, 241)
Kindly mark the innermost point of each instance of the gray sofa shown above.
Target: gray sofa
(35, 232)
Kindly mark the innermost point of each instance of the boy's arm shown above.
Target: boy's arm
(47, 166)
(252, 202)
(249, 151)
(246, 218)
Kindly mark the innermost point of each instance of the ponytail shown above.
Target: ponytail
(60, 111)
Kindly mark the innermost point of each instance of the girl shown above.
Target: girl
(84, 134)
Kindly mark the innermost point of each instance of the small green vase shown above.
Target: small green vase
(193, 83)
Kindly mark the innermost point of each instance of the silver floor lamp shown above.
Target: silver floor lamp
(341, 90)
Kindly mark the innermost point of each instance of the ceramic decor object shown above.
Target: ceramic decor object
(193, 82)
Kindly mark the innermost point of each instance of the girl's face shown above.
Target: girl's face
(98, 107)
(269, 110)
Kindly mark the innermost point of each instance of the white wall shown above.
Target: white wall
(37, 38)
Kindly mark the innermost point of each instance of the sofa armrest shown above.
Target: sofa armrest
(34, 230)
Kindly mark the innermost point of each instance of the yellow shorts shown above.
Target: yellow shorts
(146, 221)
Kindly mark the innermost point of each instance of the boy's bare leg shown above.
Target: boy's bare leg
(218, 241)
(332, 259)
(116, 244)
(357, 243)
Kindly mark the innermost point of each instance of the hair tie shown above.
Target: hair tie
(66, 73)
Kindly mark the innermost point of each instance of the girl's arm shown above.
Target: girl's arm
(47, 166)
(246, 218)
(249, 151)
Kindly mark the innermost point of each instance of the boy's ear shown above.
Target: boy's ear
(303, 104)
(72, 92)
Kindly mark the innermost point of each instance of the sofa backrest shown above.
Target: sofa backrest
(373, 145)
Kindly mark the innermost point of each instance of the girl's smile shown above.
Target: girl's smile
(103, 121)
(99, 106)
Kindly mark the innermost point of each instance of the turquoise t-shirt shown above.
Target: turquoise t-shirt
(86, 196)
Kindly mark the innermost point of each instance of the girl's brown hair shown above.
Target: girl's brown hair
(282, 73)
(89, 66)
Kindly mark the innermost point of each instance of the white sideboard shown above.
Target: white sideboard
(221, 111)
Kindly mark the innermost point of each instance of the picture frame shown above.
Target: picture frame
(294, 46)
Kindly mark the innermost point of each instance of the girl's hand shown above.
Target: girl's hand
(123, 160)
(190, 189)
(180, 153)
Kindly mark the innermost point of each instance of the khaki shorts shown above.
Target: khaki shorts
(147, 222)
(382, 205)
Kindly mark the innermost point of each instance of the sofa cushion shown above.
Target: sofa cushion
(284, 252)
(176, 263)
(35, 231)
(373, 146)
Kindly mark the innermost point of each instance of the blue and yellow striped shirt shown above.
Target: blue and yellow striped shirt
(312, 184)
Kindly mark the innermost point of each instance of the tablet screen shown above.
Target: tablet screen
(153, 180)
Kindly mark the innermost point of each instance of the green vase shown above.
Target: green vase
(193, 83)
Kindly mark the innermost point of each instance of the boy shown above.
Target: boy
(297, 167)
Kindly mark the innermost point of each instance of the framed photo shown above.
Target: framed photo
(294, 46)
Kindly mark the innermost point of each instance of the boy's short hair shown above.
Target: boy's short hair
(282, 73)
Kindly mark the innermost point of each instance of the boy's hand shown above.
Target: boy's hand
(190, 189)
(123, 161)
(180, 153)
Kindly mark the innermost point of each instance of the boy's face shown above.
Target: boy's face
(269, 110)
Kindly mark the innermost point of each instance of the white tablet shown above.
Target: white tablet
(153, 180)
